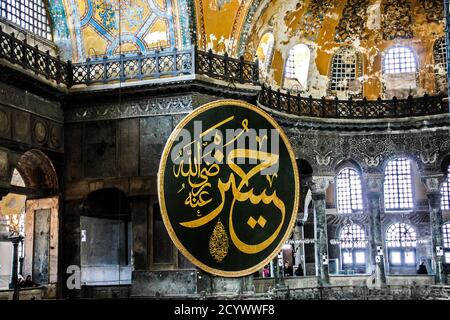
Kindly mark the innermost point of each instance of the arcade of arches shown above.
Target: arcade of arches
(90, 91)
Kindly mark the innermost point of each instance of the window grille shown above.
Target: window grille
(349, 194)
(30, 15)
(445, 192)
(399, 60)
(398, 185)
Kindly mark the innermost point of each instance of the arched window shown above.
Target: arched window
(401, 240)
(398, 185)
(27, 14)
(440, 64)
(265, 53)
(446, 233)
(399, 60)
(345, 73)
(349, 195)
(445, 192)
(399, 72)
(353, 244)
(297, 68)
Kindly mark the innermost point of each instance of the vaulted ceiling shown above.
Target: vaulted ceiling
(93, 28)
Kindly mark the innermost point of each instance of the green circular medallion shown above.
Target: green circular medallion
(228, 188)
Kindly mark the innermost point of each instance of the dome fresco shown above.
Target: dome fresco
(111, 27)
(95, 28)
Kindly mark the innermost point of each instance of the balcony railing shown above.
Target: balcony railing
(162, 64)
(28, 57)
(137, 67)
(352, 109)
(188, 62)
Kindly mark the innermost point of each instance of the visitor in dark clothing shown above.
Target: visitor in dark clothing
(422, 269)
(29, 283)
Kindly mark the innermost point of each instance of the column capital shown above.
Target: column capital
(433, 182)
(374, 182)
(319, 184)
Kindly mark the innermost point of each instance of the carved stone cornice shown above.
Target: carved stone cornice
(324, 151)
(130, 109)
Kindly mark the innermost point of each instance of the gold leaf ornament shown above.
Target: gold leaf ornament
(218, 242)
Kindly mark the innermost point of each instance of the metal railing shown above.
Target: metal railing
(140, 66)
(352, 109)
(226, 68)
(19, 52)
(174, 63)
(136, 67)
(165, 63)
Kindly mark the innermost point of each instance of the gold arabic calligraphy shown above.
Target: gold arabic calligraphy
(198, 179)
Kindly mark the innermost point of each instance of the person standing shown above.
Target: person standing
(422, 269)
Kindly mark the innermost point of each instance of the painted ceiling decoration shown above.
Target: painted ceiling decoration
(397, 22)
(433, 9)
(94, 28)
(353, 21)
(112, 27)
(313, 18)
(60, 28)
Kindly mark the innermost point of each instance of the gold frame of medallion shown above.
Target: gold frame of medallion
(162, 167)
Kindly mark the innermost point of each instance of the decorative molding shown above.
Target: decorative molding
(130, 109)
(325, 150)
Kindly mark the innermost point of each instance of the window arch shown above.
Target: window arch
(445, 192)
(29, 15)
(400, 72)
(353, 244)
(297, 68)
(440, 64)
(399, 59)
(264, 52)
(446, 234)
(345, 73)
(401, 235)
(352, 236)
(401, 240)
(398, 185)
(349, 194)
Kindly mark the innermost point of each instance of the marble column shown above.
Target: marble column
(278, 274)
(298, 245)
(374, 189)
(15, 240)
(318, 186)
(433, 186)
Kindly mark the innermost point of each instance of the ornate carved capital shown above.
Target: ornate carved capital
(374, 183)
(319, 185)
(433, 182)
